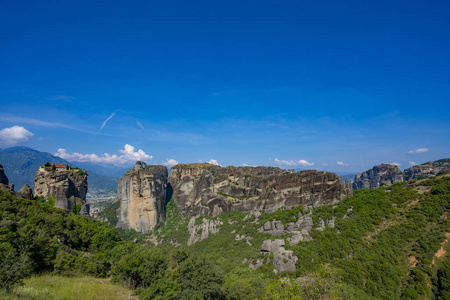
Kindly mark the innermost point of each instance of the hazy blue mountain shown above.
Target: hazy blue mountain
(21, 163)
(109, 171)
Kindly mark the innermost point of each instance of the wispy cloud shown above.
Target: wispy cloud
(412, 163)
(61, 98)
(41, 123)
(340, 163)
(109, 118)
(129, 155)
(14, 135)
(300, 162)
(395, 164)
(418, 151)
(139, 124)
(170, 162)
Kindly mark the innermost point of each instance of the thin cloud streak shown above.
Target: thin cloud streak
(40, 123)
(109, 118)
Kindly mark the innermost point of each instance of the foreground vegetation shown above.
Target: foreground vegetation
(389, 243)
(55, 287)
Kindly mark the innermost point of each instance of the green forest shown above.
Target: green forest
(388, 243)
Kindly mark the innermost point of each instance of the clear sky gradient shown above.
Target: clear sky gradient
(298, 84)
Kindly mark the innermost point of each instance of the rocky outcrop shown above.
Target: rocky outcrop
(298, 230)
(3, 179)
(428, 169)
(142, 194)
(283, 260)
(381, 175)
(201, 189)
(68, 187)
(206, 227)
(25, 192)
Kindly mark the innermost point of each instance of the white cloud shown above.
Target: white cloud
(213, 162)
(14, 135)
(412, 163)
(109, 118)
(300, 162)
(418, 151)
(170, 162)
(304, 163)
(247, 165)
(395, 164)
(139, 124)
(129, 155)
(340, 163)
(324, 164)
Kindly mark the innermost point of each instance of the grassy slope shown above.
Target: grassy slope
(52, 287)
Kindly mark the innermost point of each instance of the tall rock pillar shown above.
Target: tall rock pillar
(142, 193)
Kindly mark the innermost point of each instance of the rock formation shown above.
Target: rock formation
(283, 260)
(299, 230)
(68, 187)
(201, 189)
(3, 179)
(206, 227)
(25, 192)
(142, 194)
(428, 169)
(381, 175)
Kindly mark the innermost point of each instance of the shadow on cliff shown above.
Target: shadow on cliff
(169, 193)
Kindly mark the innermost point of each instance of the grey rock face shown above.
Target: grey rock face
(201, 189)
(140, 165)
(68, 187)
(142, 193)
(299, 230)
(26, 192)
(283, 260)
(206, 227)
(381, 175)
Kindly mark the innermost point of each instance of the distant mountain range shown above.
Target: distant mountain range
(21, 163)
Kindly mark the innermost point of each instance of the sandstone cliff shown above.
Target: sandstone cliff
(201, 189)
(68, 187)
(381, 175)
(142, 194)
(428, 169)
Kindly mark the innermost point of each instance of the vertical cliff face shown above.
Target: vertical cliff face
(201, 189)
(142, 193)
(381, 175)
(68, 187)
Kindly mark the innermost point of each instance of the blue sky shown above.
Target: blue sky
(338, 86)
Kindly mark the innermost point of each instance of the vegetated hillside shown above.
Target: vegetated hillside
(109, 214)
(388, 243)
(21, 164)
